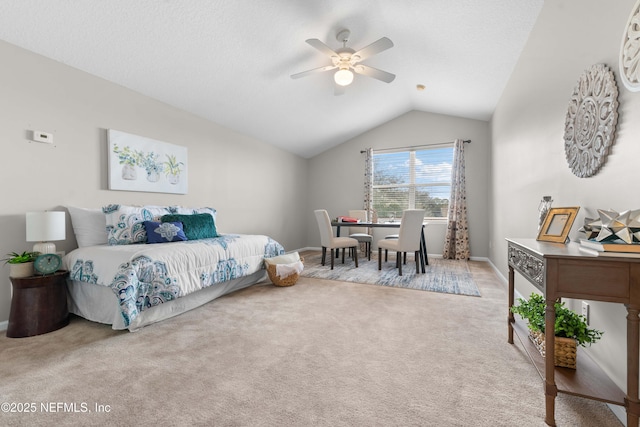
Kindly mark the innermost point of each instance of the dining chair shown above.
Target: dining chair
(408, 239)
(392, 236)
(327, 239)
(356, 232)
(386, 251)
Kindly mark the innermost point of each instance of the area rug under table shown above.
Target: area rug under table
(442, 275)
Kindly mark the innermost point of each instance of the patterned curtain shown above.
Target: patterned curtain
(368, 185)
(456, 241)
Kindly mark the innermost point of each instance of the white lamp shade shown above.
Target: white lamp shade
(343, 77)
(45, 226)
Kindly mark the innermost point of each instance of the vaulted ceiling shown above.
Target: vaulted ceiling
(230, 61)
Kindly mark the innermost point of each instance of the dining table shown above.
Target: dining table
(424, 261)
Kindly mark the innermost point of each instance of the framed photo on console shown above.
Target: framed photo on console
(557, 225)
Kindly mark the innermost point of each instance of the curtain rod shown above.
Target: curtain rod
(468, 141)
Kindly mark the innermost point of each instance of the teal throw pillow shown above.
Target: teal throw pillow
(196, 226)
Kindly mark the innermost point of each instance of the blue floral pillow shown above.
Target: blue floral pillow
(125, 224)
(163, 232)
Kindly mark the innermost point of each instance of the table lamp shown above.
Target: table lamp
(42, 227)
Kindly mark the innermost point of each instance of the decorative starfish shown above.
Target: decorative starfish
(591, 228)
(613, 225)
(621, 227)
(607, 218)
(634, 224)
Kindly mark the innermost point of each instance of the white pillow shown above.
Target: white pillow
(125, 224)
(89, 226)
(190, 211)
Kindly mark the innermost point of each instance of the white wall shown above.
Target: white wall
(255, 187)
(528, 159)
(336, 177)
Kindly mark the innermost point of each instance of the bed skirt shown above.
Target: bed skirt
(100, 304)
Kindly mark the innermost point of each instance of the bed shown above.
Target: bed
(119, 278)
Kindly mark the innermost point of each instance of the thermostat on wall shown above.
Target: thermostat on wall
(45, 137)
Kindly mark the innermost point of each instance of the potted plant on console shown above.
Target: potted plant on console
(21, 265)
(571, 329)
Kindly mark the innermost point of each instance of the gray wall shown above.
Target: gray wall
(511, 163)
(528, 159)
(336, 177)
(255, 187)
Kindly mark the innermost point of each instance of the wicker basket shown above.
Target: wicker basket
(564, 351)
(290, 280)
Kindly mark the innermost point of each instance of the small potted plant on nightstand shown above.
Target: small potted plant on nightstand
(571, 329)
(21, 265)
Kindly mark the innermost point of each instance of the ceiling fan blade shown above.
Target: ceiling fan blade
(322, 47)
(313, 71)
(374, 72)
(375, 47)
(339, 90)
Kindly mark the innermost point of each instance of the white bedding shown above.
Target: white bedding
(143, 277)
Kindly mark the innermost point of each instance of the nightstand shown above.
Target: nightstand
(38, 305)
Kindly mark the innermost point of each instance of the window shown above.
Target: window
(415, 179)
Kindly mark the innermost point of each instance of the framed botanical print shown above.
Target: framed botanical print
(137, 163)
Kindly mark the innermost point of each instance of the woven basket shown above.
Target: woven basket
(564, 351)
(290, 280)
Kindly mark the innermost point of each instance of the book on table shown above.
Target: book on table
(348, 219)
(594, 252)
(610, 246)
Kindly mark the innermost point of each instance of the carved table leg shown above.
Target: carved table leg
(510, 318)
(550, 388)
(632, 403)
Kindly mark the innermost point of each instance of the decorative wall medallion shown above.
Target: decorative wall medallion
(591, 121)
(630, 51)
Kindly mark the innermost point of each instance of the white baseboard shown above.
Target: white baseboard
(498, 273)
(619, 412)
(4, 325)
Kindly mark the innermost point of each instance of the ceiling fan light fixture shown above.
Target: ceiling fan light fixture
(343, 77)
(346, 61)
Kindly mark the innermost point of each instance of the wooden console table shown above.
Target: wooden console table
(558, 271)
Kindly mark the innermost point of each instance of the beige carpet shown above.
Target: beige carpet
(320, 353)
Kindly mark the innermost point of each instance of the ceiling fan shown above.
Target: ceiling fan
(347, 61)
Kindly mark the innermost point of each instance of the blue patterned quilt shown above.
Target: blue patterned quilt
(145, 275)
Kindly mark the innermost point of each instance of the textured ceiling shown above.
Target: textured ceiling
(229, 61)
